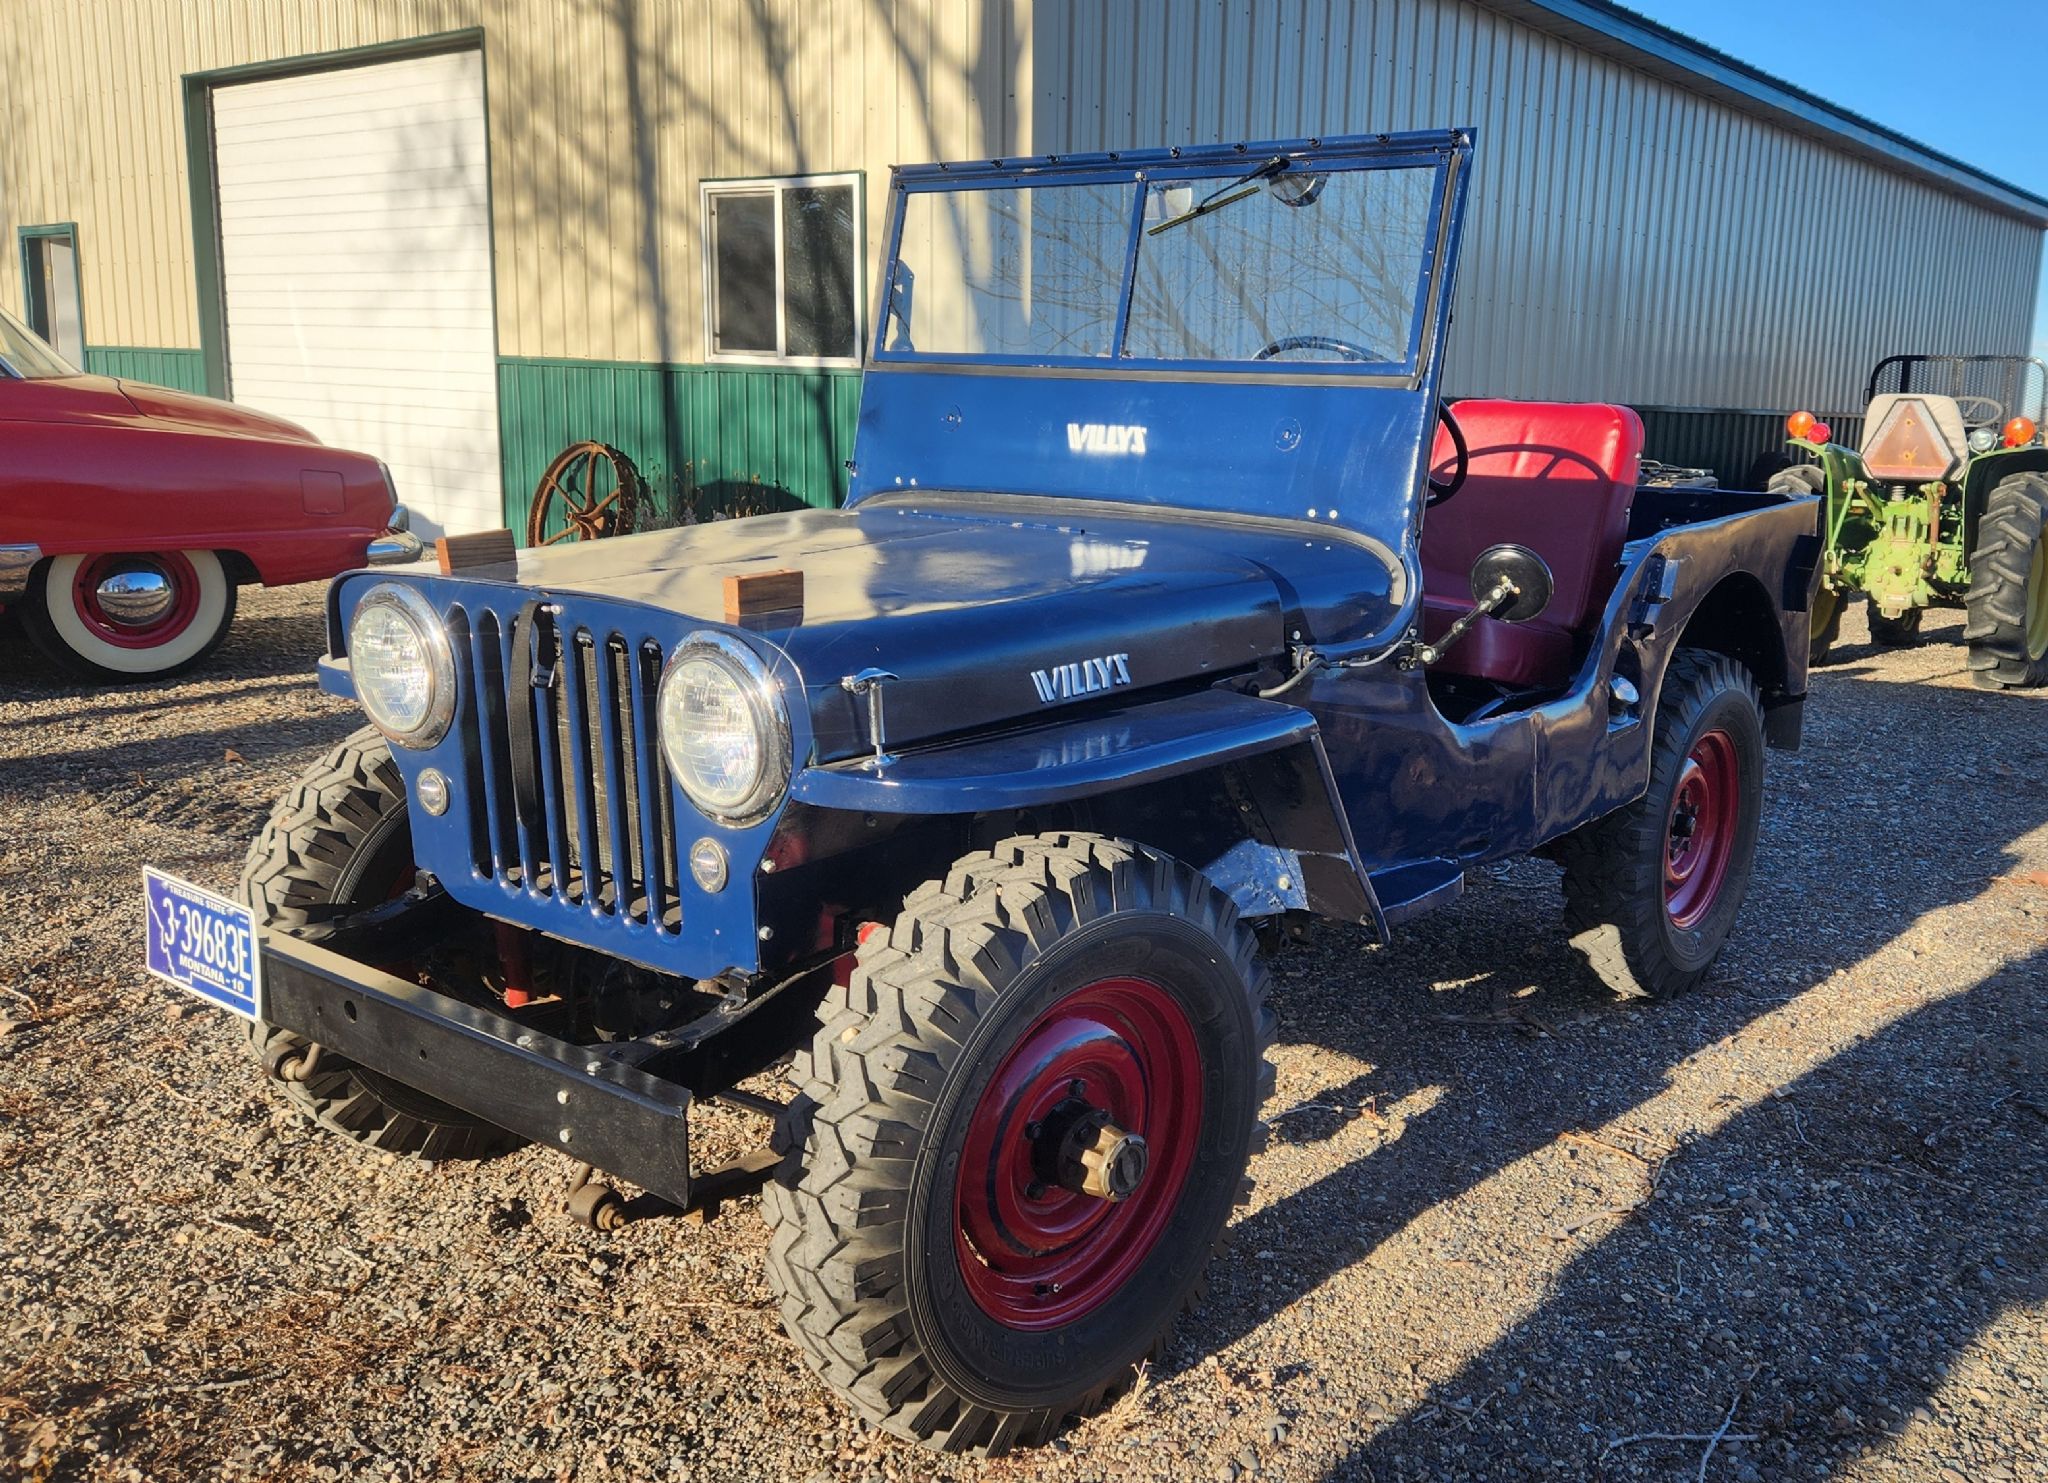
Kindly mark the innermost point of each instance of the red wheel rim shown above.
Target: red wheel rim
(1036, 1253)
(1699, 837)
(172, 566)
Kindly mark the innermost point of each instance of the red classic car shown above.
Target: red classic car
(129, 514)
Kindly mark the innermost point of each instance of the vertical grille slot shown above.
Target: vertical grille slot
(614, 689)
(487, 656)
(656, 831)
(575, 749)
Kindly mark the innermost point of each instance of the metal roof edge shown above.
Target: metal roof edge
(1615, 31)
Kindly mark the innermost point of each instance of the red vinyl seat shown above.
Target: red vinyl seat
(1557, 477)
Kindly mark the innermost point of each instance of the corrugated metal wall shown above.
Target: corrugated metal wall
(604, 117)
(1627, 240)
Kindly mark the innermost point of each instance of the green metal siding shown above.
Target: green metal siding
(706, 438)
(181, 370)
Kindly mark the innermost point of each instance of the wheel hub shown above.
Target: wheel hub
(136, 599)
(1078, 1148)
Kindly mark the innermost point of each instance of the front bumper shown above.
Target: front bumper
(578, 1102)
(16, 562)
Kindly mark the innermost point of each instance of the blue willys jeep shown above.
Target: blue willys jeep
(1169, 608)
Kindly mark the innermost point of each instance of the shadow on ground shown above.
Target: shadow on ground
(1816, 1228)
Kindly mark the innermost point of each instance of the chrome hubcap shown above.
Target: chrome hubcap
(136, 599)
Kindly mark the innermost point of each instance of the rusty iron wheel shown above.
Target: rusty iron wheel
(590, 491)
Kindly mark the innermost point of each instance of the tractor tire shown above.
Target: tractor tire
(2007, 605)
(66, 618)
(340, 841)
(1652, 890)
(1824, 626)
(1902, 632)
(1826, 613)
(937, 1247)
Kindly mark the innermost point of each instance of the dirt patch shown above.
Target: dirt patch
(1508, 1227)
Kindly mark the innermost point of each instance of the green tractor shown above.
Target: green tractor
(1945, 504)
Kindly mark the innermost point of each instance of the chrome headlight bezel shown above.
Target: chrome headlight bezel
(419, 615)
(763, 696)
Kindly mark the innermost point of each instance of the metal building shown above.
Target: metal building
(463, 233)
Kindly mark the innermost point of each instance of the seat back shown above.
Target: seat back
(1557, 477)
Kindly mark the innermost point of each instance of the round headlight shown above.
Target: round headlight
(723, 728)
(1983, 440)
(404, 673)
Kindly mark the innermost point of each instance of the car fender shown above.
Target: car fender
(291, 511)
(1238, 787)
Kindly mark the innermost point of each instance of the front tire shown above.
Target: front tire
(1020, 1133)
(74, 619)
(2007, 605)
(340, 841)
(1652, 890)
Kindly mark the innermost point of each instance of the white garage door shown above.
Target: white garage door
(356, 266)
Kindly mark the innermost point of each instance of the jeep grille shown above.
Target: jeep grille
(598, 832)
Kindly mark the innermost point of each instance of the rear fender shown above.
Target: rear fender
(1984, 473)
(1235, 786)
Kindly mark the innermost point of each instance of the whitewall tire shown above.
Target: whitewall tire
(129, 615)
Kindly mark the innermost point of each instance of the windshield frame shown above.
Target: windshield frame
(1443, 151)
(12, 371)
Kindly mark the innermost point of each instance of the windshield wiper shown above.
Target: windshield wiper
(1216, 200)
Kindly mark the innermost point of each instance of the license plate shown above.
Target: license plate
(203, 943)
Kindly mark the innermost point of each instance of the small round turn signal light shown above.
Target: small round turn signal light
(1799, 424)
(1820, 435)
(707, 865)
(2020, 432)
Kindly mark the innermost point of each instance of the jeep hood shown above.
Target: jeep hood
(985, 616)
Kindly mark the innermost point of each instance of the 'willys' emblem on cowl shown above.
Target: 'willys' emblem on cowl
(1086, 677)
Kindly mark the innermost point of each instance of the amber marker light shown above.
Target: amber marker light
(1799, 424)
(2020, 432)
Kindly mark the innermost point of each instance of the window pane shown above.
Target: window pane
(743, 260)
(1323, 267)
(818, 270)
(1011, 271)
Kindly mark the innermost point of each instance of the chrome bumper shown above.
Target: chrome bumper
(16, 562)
(397, 545)
(395, 548)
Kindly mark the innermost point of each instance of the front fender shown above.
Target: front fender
(1236, 786)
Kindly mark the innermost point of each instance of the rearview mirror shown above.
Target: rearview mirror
(1525, 576)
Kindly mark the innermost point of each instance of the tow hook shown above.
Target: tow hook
(593, 1203)
(293, 1061)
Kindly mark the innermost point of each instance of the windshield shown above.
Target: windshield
(23, 353)
(1234, 268)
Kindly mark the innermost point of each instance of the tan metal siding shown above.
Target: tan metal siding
(604, 118)
(1627, 239)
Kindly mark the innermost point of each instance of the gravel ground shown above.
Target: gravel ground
(1508, 1227)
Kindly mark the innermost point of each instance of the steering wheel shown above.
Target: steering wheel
(1964, 404)
(1314, 342)
(1438, 493)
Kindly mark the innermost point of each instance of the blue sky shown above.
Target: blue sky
(1971, 82)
